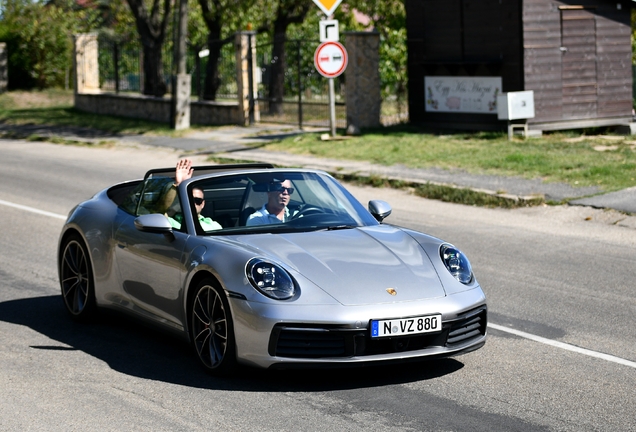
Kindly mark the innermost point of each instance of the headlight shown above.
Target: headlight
(270, 279)
(456, 263)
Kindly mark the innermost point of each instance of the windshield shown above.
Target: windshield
(275, 201)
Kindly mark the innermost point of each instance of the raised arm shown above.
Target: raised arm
(183, 171)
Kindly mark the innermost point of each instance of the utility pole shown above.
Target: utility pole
(181, 81)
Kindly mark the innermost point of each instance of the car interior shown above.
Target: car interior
(229, 200)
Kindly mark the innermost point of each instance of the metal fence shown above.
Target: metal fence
(306, 93)
(121, 69)
(305, 99)
(197, 62)
(120, 66)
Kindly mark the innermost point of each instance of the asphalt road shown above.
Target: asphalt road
(560, 354)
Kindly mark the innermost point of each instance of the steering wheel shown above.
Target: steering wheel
(307, 210)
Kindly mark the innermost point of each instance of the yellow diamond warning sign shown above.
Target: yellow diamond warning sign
(327, 6)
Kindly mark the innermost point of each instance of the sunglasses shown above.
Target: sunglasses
(282, 189)
(198, 201)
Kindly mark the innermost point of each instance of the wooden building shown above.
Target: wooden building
(574, 55)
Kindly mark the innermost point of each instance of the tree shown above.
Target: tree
(217, 16)
(220, 19)
(151, 26)
(116, 21)
(287, 12)
(39, 39)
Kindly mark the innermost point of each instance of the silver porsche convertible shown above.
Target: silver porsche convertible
(326, 284)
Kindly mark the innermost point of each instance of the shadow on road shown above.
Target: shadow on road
(132, 349)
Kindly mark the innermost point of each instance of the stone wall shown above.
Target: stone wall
(131, 106)
(89, 97)
(362, 87)
(362, 80)
(215, 113)
(156, 109)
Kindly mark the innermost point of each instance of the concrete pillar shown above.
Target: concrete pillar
(85, 62)
(4, 66)
(181, 104)
(245, 56)
(362, 80)
(181, 90)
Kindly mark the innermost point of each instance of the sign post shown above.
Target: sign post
(330, 57)
(331, 60)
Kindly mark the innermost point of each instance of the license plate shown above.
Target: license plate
(406, 326)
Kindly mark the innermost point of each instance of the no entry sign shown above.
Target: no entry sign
(330, 59)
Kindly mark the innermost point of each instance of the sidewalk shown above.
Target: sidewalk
(241, 143)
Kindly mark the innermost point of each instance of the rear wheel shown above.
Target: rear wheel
(76, 280)
(211, 329)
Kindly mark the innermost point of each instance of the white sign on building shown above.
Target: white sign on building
(461, 94)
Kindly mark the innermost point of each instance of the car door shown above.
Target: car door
(151, 269)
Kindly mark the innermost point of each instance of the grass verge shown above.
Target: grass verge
(591, 158)
(55, 107)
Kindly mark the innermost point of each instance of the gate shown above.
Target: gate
(121, 68)
(305, 98)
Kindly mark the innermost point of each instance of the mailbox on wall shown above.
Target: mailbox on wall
(515, 105)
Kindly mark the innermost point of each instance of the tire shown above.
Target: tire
(76, 280)
(212, 330)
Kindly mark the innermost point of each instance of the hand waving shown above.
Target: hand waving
(184, 170)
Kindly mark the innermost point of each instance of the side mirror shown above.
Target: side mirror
(153, 223)
(379, 209)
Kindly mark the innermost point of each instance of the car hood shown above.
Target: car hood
(356, 266)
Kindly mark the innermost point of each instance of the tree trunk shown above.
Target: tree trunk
(277, 74)
(151, 27)
(212, 80)
(288, 12)
(154, 82)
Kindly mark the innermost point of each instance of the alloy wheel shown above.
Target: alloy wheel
(210, 328)
(75, 278)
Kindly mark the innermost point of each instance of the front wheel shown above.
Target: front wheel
(211, 329)
(76, 280)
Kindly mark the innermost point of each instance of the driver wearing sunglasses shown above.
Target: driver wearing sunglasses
(275, 209)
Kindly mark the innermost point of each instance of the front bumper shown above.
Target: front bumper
(287, 336)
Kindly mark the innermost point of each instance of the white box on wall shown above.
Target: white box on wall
(515, 105)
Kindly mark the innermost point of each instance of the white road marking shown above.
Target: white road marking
(564, 346)
(33, 210)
